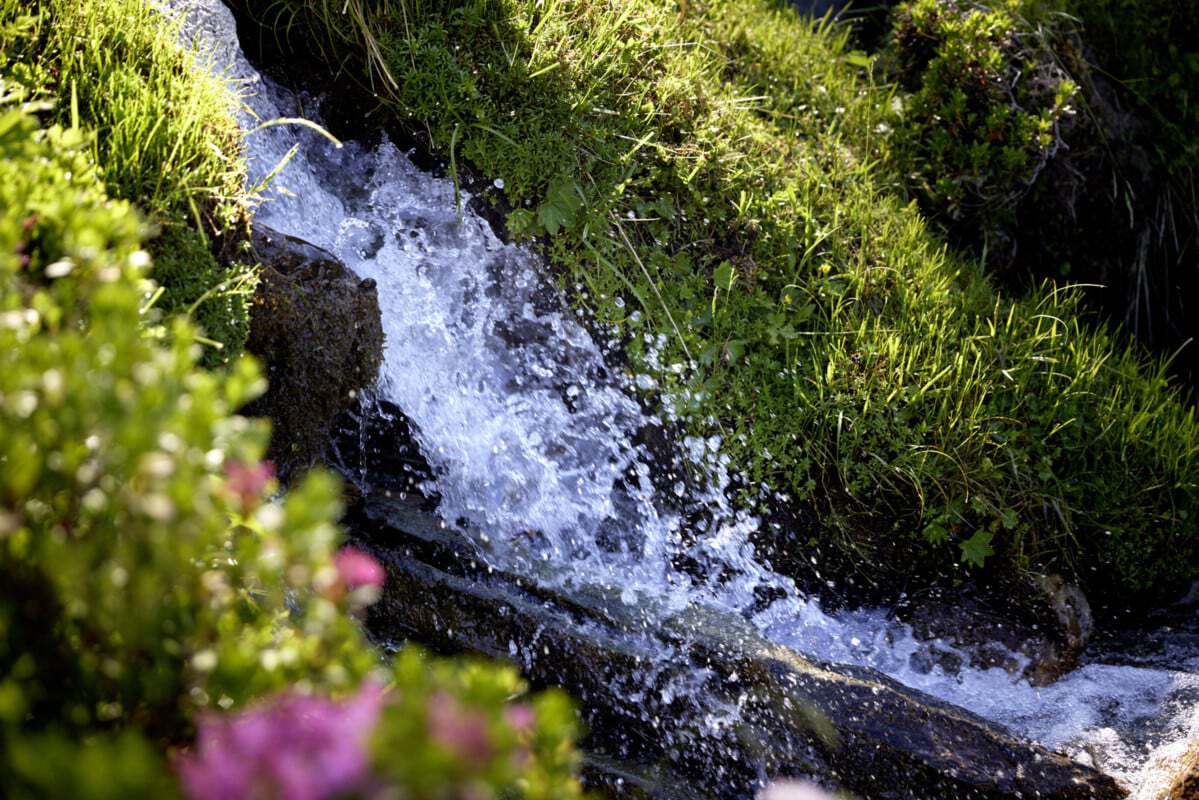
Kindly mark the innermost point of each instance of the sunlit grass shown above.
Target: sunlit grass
(166, 139)
(709, 178)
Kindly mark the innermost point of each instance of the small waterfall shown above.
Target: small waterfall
(537, 444)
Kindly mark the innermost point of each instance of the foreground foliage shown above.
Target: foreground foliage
(708, 182)
(152, 580)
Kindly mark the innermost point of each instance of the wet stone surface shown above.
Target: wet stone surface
(704, 699)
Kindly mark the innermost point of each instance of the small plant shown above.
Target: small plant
(984, 108)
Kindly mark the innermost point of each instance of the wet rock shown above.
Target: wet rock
(208, 24)
(1037, 626)
(317, 329)
(1172, 773)
(697, 703)
(818, 8)
(1070, 608)
(1186, 786)
(375, 446)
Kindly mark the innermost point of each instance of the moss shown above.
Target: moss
(708, 182)
(197, 285)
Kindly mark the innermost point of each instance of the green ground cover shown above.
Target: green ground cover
(712, 176)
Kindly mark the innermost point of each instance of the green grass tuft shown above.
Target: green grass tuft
(166, 138)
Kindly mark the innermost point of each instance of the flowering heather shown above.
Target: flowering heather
(295, 747)
(248, 481)
(460, 730)
(356, 568)
(520, 717)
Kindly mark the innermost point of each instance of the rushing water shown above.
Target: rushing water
(534, 442)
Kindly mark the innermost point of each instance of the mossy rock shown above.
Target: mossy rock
(318, 329)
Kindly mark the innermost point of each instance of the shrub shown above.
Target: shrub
(148, 575)
(988, 139)
(984, 108)
(1150, 47)
(117, 505)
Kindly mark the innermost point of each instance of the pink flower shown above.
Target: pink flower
(356, 568)
(519, 717)
(295, 747)
(459, 730)
(248, 481)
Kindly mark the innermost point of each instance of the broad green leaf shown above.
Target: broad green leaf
(977, 548)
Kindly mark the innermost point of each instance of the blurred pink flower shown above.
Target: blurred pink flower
(356, 568)
(459, 730)
(519, 716)
(294, 747)
(248, 481)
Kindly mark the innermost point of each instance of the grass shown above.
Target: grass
(166, 140)
(708, 182)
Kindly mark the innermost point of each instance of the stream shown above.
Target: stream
(538, 446)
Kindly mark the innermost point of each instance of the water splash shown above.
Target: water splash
(540, 453)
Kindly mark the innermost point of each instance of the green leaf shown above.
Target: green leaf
(858, 59)
(976, 549)
(724, 276)
(560, 207)
(521, 223)
(935, 533)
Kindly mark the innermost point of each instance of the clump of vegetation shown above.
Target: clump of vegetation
(1150, 47)
(152, 581)
(1095, 188)
(983, 110)
(215, 297)
(708, 183)
(166, 139)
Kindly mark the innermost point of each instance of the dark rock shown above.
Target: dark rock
(317, 329)
(1045, 620)
(375, 446)
(651, 689)
(818, 8)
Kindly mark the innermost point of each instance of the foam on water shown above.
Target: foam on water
(534, 441)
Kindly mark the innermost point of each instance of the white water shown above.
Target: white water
(532, 439)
